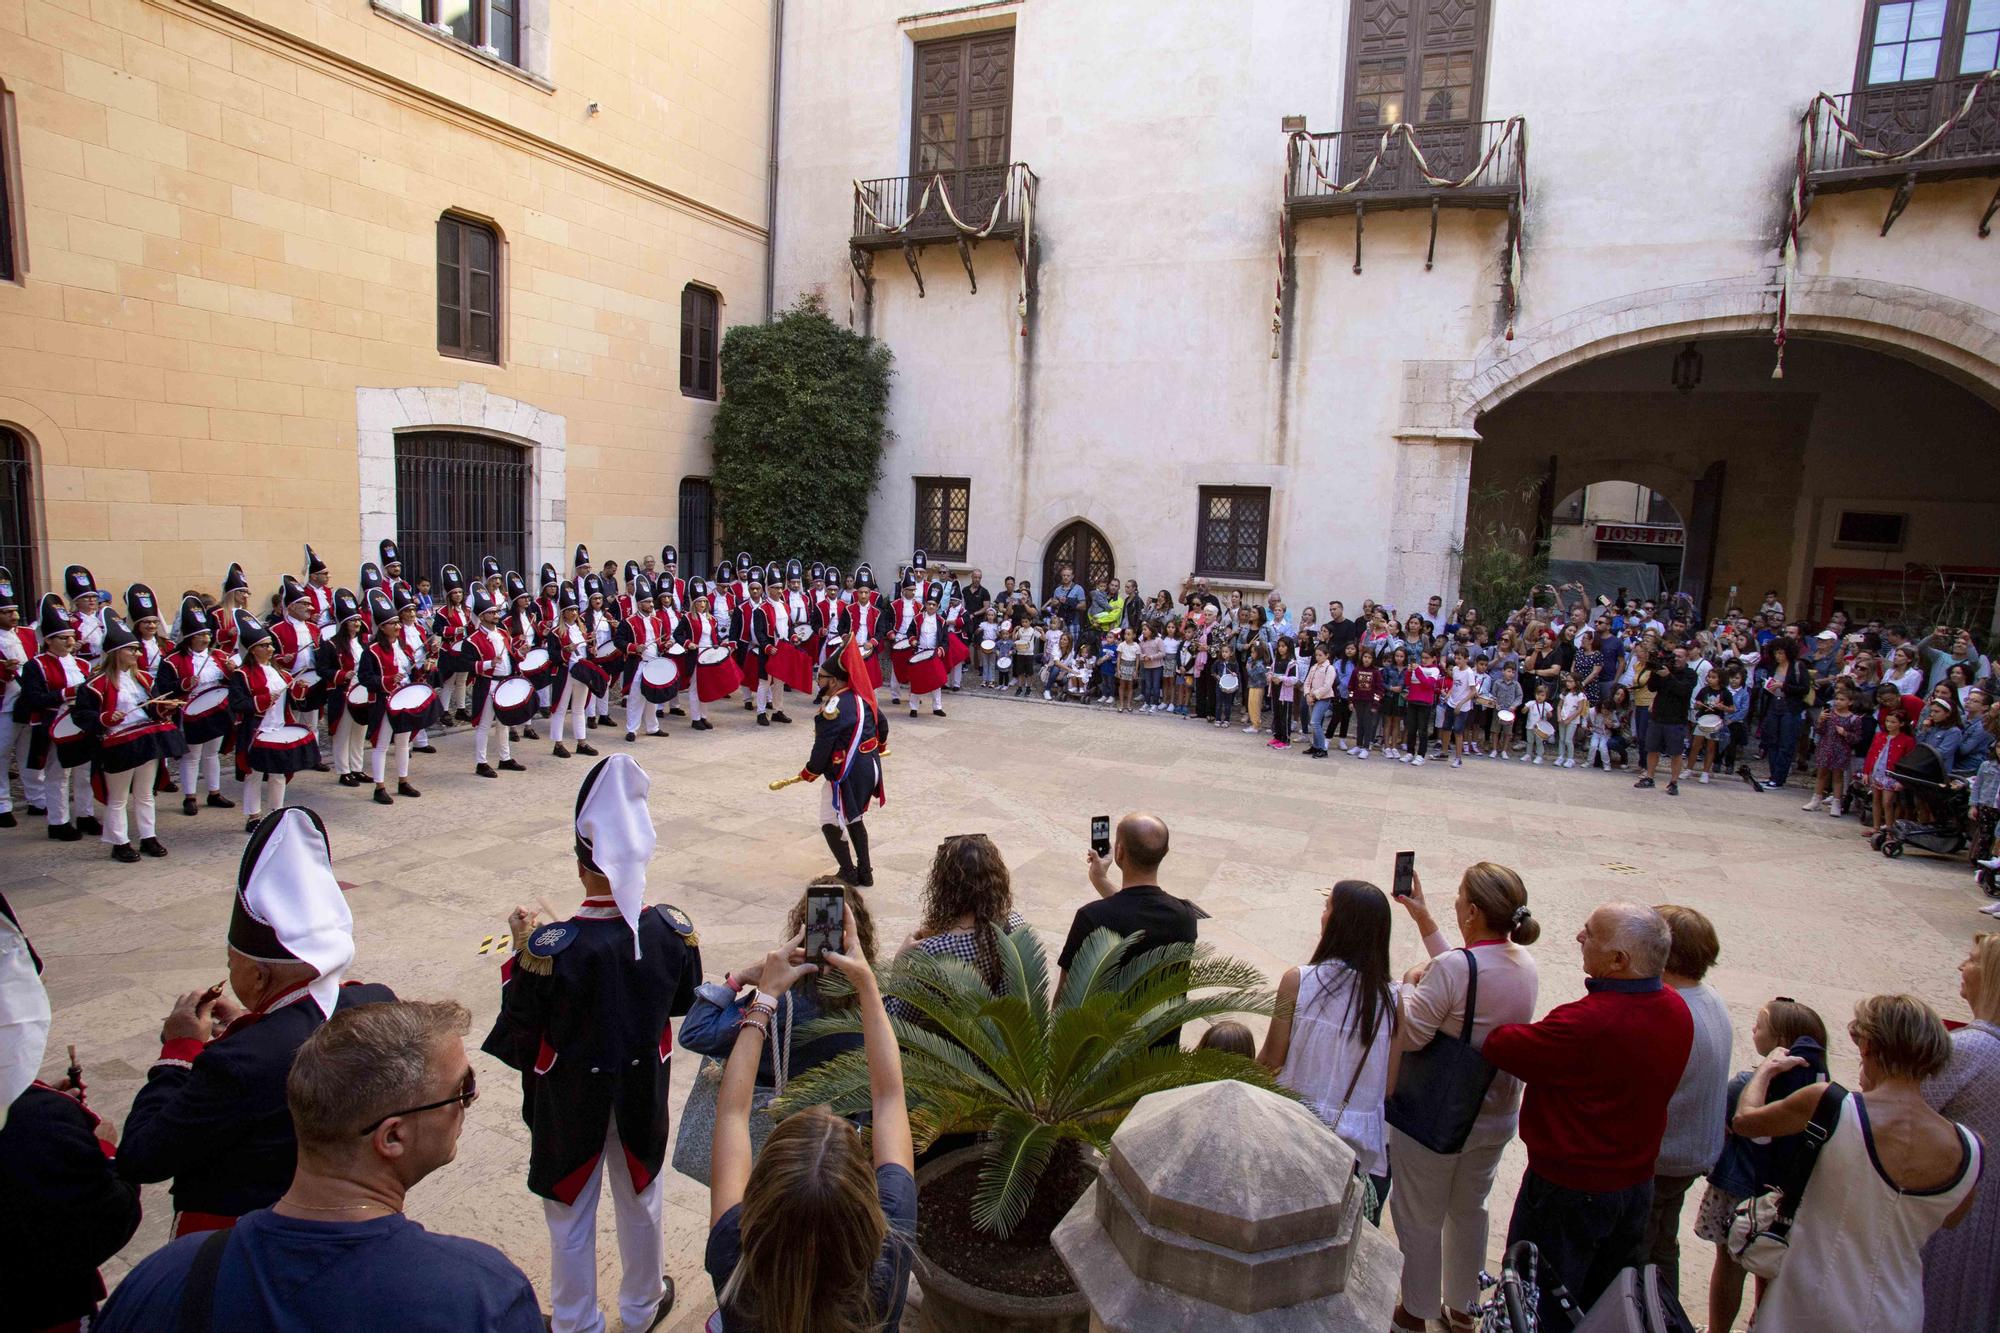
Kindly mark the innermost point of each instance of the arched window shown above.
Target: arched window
(17, 536)
(459, 498)
(1084, 550)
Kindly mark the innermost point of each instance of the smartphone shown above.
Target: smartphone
(1100, 834)
(826, 921)
(1406, 874)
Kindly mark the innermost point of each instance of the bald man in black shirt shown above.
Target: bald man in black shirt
(1139, 906)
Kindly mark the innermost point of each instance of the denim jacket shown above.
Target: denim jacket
(710, 1029)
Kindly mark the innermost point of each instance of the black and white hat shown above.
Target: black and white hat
(402, 597)
(549, 577)
(289, 907)
(631, 572)
(235, 580)
(918, 561)
(193, 620)
(117, 634)
(833, 578)
(794, 571)
(725, 573)
(593, 585)
(582, 560)
(380, 609)
(489, 569)
(817, 572)
(566, 598)
(864, 577)
(346, 607)
(517, 587)
(314, 564)
(697, 587)
(386, 548)
(614, 832)
(670, 557)
(642, 589)
(483, 601)
(291, 592)
(78, 583)
(371, 578)
(774, 576)
(449, 578)
(52, 618)
(744, 564)
(9, 599)
(140, 604)
(250, 631)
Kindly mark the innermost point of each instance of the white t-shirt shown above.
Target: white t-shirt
(1538, 712)
(1464, 683)
(1574, 706)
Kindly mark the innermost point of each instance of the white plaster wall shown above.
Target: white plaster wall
(1661, 139)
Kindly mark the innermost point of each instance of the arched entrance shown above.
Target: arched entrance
(1081, 547)
(1617, 534)
(17, 536)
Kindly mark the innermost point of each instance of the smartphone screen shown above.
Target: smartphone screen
(1100, 834)
(1406, 873)
(826, 921)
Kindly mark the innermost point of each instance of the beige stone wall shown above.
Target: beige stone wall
(230, 230)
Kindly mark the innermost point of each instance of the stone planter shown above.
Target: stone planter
(953, 1305)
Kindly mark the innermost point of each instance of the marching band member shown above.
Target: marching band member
(260, 696)
(371, 581)
(776, 621)
(212, 1115)
(116, 706)
(525, 628)
(142, 613)
(548, 611)
(746, 570)
(706, 631)
(570, 644)
(628, 601)
(235, 597)
(870, 625)
(932, 634)
(492, 661)
(191, 670)
(295, 639)
(319, 591)
(581, 575)
(903, 613)
(720, 604)
(604, 649)
(17, 648)
(86, 607)
(48, 683)
(451, 624)
(392, 564)
(670, 590)
(749, 628)
(495, 583)
(420, 647)
(384, 669)
(798, 602)
(638, 636)
(920, 574)
(672, 619)
(849, 732)
(338, 662)
(586, 1007)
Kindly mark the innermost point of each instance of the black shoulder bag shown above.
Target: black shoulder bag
(198, 1296)
(1441, 1087)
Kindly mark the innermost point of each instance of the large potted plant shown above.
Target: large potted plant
(1042, 1086)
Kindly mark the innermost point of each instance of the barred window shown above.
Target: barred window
(944, 510)
(1235, 522)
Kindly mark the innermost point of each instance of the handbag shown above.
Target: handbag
(1441, 1087)
(1760, 1231)
(694, 1146)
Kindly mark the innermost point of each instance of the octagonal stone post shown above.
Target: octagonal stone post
(1224, 1207)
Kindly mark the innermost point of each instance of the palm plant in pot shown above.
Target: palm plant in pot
(1037, 1088)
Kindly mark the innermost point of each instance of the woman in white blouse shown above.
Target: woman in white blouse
(1332, 1040)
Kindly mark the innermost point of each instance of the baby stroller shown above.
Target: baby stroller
(1930, 789)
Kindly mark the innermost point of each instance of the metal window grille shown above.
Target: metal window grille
(944, 509)
(459, 498)
(17, 536)
(697, 528)
(1235, 522)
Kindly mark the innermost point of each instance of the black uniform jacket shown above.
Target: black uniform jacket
(213, 1118)
(847, 745)
(591, 1036)
(67, 1210)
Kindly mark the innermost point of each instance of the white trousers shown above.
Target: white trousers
(573, 1247)
(378, 761)
(1439, 1204)
(14, 750)
(935, 696)
(310, 721)
(572, 708)
(202, 765)
(130, 791)
(482, 727)
(770, 692)
(456, 691)
(638, 708)
(67, 790)
(350, 743)
(260, 790)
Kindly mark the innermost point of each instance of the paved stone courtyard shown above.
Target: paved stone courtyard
(1804, 909)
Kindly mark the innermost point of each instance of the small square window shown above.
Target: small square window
(1232, 531)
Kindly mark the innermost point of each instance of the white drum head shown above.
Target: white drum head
(922, 655)
(1228, 681)
(511, 692)
(534, 660)
(1005, 663)
(660, 671)
(713, 656)
(413, 698)
(1505, 715)
(208, 701)
(358, 697)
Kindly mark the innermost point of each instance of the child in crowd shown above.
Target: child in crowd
(1420, 684)
(1170, 666)
(1395, 700)
(1540, 710)
(989, 647)
(1365, 693)
(1026, 639)
(1152, 655)
(1128, 669)
(1286, 673)
(1570, 715)
(1104, 679)
(1506, 692)
(1711, 700)
(1892, 741)
(1343, 707)
(1256, 678)
(1458, 705)
(1228, 683)
(1835, 736)
(1228, 1036)
(1599, 722)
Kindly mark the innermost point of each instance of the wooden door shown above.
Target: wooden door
(1420, 61)
(1081, 547)
(962, 123)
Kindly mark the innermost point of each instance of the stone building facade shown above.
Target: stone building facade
(1192, 349)
(275, 268)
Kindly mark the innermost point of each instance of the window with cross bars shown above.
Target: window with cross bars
(1234, 527)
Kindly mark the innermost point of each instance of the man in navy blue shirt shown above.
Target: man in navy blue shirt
(379, 1095)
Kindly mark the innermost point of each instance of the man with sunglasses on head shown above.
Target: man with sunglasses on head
(380, 1094)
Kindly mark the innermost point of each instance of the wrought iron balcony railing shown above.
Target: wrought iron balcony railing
(973, 203)
(1891, 121)
(1476, 164)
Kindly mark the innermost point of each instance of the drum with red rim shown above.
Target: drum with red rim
(413, 708)
(360, 697)
(716, 675)
(144, 739)
(282, 751)
(538, 666)
(206, 716)
(312, 690)
(590, 675)
(74, 745)
(657, 678)
(927, 671)
(514, 701)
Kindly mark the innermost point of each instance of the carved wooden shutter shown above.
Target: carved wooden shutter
(1420, 61)
(962, 121)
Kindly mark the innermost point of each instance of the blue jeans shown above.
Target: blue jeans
(1224, 701)
(1781, 738)
(1641, 715)
(1317, 721)
(1149, 684)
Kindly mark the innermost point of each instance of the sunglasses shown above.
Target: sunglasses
(467, 1094)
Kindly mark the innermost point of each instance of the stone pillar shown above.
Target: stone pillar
(1229, 1209)
(1427, 530)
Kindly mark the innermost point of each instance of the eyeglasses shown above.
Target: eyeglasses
(467, 1094)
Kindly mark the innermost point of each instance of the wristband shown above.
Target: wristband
(765, 1000)
(729, 982)
(756, 1022)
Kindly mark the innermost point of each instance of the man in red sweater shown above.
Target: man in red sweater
(1599, 1073)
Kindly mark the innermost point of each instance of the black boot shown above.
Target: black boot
(152, 847)
(382, 797)
(838, 846)
(581, 748)
(779, 716)
(864, 873)
(189, 806)
(485, 771)
(561, 751)
(512, 766)
(65, 832)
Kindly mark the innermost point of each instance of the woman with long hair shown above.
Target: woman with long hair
(968, 904)
(115, 705)
(1440, 1199)
(1332, 1039)
(816, 1237)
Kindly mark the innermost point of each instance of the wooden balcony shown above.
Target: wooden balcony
(1895, 119)
(1327, 174)
(897, 211)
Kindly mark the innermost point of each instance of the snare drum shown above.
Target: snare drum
(360, 697)
(800, 633)
(1506, 716)
(312, 690)
(716, 675)
(282, 751)
(413, 708)
(712, 657)
(138, 744)
(74, 745)
(658, 677)
(1005, 663)
(514, 701)
(1545, 730)
(590, 675)
(206, 716)
(926, 671)
(537, 666)
(1710, 725)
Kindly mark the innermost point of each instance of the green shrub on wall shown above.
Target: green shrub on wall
(798, 438)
